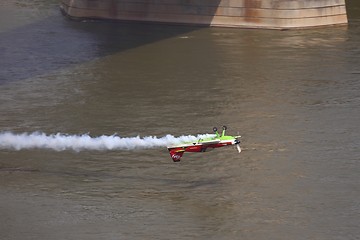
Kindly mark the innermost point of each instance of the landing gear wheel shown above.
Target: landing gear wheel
(224, 127)
(215, 129)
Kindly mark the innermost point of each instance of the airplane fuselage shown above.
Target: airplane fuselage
(203, 145)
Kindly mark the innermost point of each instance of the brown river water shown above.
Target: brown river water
(294, 96)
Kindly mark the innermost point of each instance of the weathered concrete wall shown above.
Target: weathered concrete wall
(277, 14)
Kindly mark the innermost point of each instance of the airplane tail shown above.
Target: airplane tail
(176, 154)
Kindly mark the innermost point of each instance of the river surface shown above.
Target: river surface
(294, 96)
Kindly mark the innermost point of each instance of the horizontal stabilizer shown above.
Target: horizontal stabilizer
(179, 151)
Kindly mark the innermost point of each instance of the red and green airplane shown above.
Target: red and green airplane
(206, 144)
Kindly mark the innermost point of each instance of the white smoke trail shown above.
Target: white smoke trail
(61, 142)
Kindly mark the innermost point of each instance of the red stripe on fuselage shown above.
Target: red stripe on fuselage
(203, 147)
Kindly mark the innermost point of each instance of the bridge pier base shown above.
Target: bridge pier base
(271, 14)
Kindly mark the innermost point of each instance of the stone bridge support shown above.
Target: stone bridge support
(272, 14)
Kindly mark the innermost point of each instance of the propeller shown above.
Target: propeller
(238, 148)
(237, 138)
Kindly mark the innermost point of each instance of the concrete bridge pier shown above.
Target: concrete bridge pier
(271, 14)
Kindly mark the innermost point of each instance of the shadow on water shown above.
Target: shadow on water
(353, 10)
(57, 42)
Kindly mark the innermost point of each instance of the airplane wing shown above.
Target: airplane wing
(185, 145)
(181, 146)
(210, 142)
